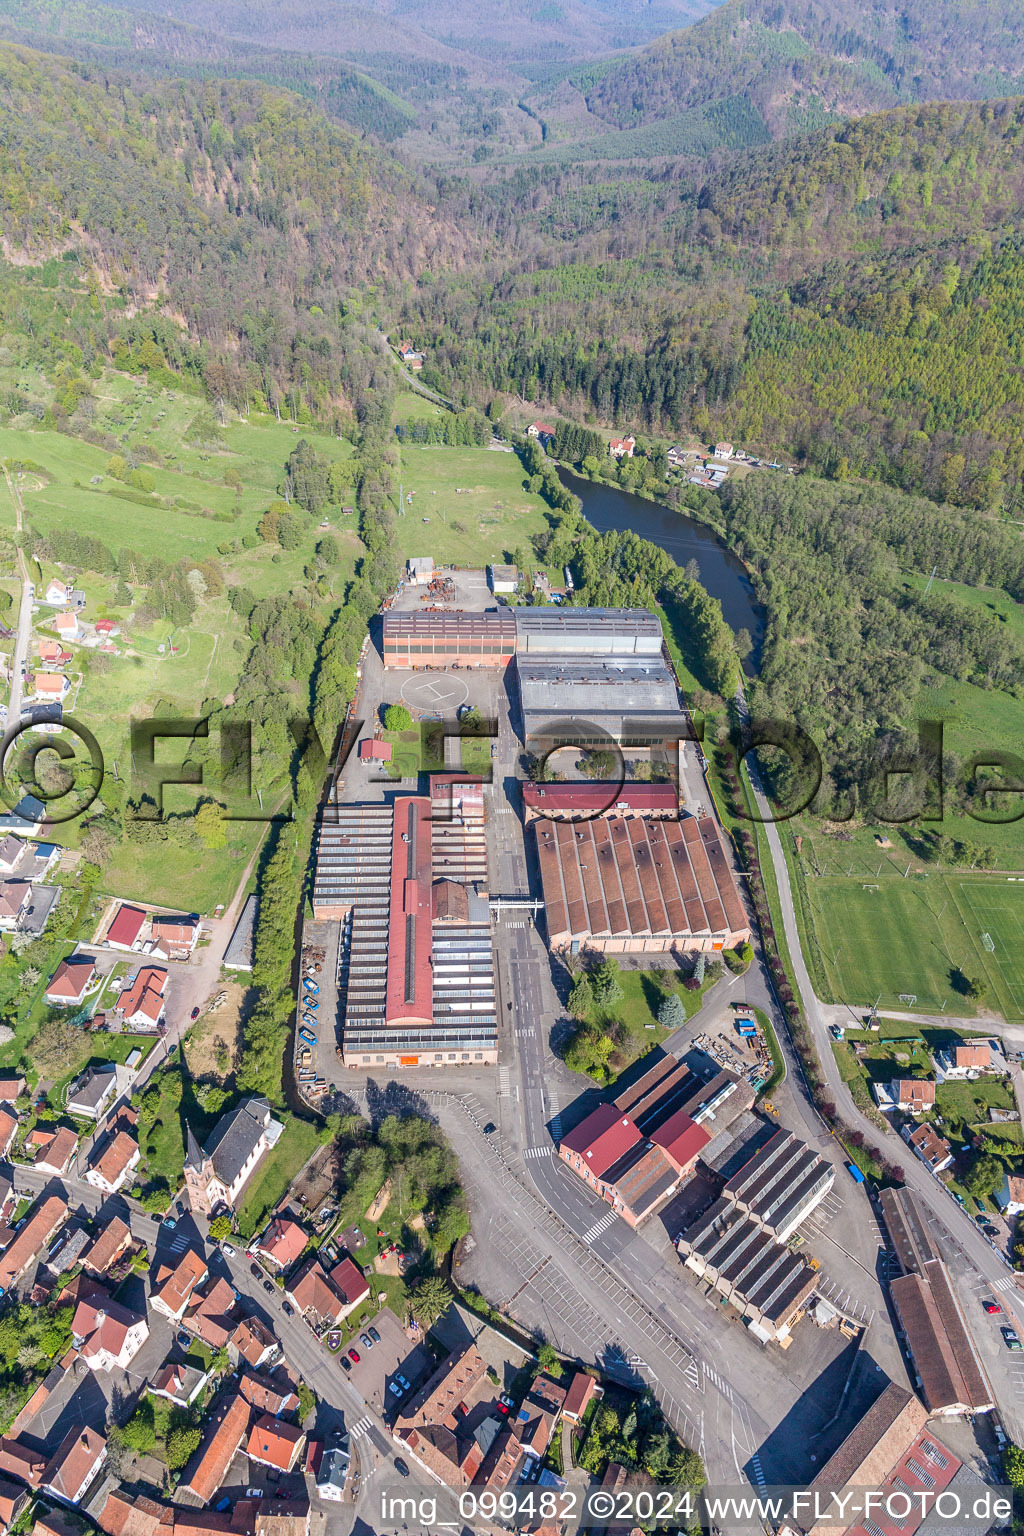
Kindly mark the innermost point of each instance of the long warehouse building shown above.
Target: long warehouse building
(631, 885)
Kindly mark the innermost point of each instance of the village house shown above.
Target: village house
(57, 1148)
(51, 687)
(53, 654)
(74, 1465)
(12, 850)
(125, 929)
(71, 981)
(967, 1062)
(912, 1095)
(216, 1174)
(179, 1383)
(1010, 1196)
(8, 1129)
(91, 1095)
(28, 1243)
(175, 938)
(141, 1004)
(212, 1315)
(173, 1285)
(410, 357)
(108, 1335)
(932, 1149)
(723, 450)
(321, 1297)
(12, 1086)
(622, 447)
(282, 1243)
(13, 1500)
(115, 1164)
(274, 1443)
(57, 594)
(269, 1394)
(222, 1436)
(253, 1342)
(66, 625)
(107, 1246)
(15, 896)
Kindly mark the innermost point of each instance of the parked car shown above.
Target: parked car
(268, 1285)
(992, 1307)
(404, 1381)
(287, 1309)
(255, 1271)
(227, 1248)
(490, 1128)
(396, 1389)
(194, 1014)
(346, 1363)
(170, 1223)
(374, 1335)
(1011, 1338)
(353, 1355)
(400, 1467)
(366, 1341)
(504, 1398)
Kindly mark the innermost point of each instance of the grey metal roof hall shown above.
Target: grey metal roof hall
(587, 631)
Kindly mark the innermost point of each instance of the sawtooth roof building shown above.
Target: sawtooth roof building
(621, 884)
(767, 1283)
(407, 879)
(945, 1362)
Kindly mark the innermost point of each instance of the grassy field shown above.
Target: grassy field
(469, 505)
(293, 1151)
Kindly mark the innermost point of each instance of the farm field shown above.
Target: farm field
(474, 502)
(895, 938)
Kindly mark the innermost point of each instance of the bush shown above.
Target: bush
(397, 718)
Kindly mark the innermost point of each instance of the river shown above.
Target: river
(606, 507)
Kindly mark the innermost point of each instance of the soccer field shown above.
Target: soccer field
(997, 909)
(905, 937)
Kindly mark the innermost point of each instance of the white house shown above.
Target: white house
(933, 1150)
(912, 1095)
(57, 594)
(966, 1062)
(1010, 1198)
(107, 1334)
(114, 1166)
(216, 1174)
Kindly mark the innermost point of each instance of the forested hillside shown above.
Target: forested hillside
(802, 61)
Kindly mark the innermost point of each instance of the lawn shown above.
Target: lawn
(889, 938)
(637, 1012)
(469, 506)
(963, 1104)
(272, 1179)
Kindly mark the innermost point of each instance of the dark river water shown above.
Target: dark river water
(606, 507)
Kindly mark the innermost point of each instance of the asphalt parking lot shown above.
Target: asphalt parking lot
(376, 1367)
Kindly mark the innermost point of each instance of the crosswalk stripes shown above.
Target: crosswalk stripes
(755, 1462)
(363, 1427)
(180, 1243)
(599, 1227)
(1009, 1283)
(538, 1152)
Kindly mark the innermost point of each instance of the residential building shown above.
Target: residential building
(53, 654)
(967, 1062)
(133, 1515)
(622, 447)
(577, 1399)
(410, 356)
(174, 937)
(1010, 1196)
(275, 1443)
(781, 1184)
(633, 885)
(18, 1460)
(12, 1086)
(350, 1283)
(108, 1335)
(174, 1284)
(912, 1095)
(253, 1342)
(8, 1129)
(126, 928)
(141, 1004)
(57, 1149)
(57, 593)
(115, 1163)
(314, 1294)
(217, 1174)
(11, 851)
(179, 1383)
(27, 1244)
(931, 1148)
(13, 1500)
(66, 625)
(15, 896)
(71, 981)
(107, 1246)
(223, 1434)
(274, 1395)
(952, 1379)
(71, 1243)
(74, 1465)
(283, 1242)
(540, 429)
(212, 1315)
(723, 450)
(92, 1094)
(332, 1471)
